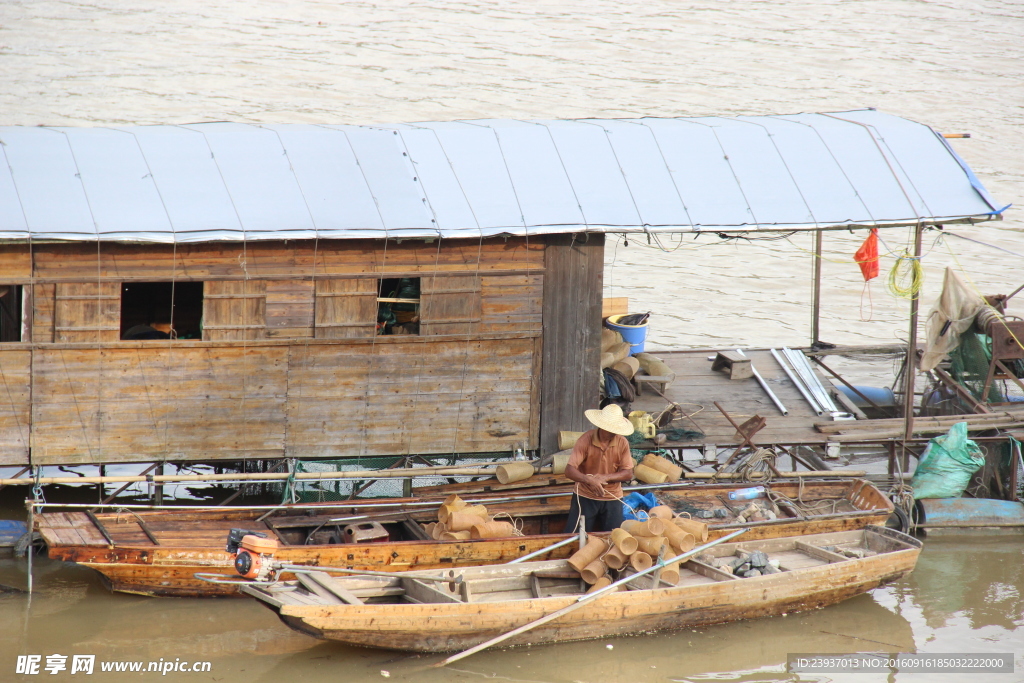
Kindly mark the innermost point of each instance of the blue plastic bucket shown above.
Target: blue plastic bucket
(634, 335)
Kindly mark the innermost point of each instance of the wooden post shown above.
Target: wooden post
(158, 488)
(816, 289)
(910, 369)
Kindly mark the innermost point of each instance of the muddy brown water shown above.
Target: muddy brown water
(965, 596)
(955, 65)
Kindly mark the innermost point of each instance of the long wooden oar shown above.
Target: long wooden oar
(584, 599)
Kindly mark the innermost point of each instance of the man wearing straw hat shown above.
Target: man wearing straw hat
(599, 462)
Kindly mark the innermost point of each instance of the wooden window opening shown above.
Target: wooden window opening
(11, 317)
(398, 306)
(161, 310)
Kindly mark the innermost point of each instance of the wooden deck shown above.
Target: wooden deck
(697, 386)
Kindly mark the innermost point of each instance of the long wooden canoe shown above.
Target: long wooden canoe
(406, 613)
(159, 552)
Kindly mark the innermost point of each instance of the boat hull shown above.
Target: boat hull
(168, 569)
(458, 626)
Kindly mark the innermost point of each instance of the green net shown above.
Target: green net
(969, 363)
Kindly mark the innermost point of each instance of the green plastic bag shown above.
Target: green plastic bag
(947, 465)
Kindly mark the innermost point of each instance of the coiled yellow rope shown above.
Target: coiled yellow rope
(906, 278)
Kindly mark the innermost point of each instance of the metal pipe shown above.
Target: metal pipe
(798, 384)
(816, 290)
(803, 367)
(764, 385)
(802, 374)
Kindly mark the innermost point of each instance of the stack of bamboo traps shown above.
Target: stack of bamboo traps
(867, 430)
(635, 546)
(459, 521)
(654, 469)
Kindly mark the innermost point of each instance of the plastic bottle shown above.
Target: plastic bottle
(747, 494)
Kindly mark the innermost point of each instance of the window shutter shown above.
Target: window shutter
(234, 309)
(87, 312)
(346, 308)
(449, 304)
(290, 308)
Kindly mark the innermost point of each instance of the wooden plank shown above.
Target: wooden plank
(289, 311)
(15, 405)
(425, 592)
(615, 305)
(99, 526)
(346, 308)
(449, 304)
(820, 553)
(313, 587)
(158, 403)
(16, 263)
(574, 272)
(87, 312)
(511, 302)
(274, 259)
(334, 586)
(234, 309)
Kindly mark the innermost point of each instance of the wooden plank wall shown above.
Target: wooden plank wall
(274, 377)
(158, 401)
(292, 260)
(15, 404)
(570, 383)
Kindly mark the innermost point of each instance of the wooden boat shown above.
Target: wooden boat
(159, 552)
(405, 612)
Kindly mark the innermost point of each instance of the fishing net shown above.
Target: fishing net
(969, 363)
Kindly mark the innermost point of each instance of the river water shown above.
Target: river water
(954, 64)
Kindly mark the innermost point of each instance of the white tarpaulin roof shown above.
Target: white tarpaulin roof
(231, 181)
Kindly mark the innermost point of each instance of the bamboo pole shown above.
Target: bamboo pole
(911, 363)
(267, 476)
(363, 474)
(762, 475)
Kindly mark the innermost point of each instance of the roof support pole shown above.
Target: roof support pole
(816, 288)
(910, 368)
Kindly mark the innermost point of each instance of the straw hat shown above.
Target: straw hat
(610, 419)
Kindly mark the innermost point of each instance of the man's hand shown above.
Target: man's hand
(594, 485)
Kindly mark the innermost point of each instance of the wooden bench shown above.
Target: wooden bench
(737, 365)
(663, 380)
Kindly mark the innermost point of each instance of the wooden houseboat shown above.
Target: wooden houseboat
(406, 612)
(159, 553)
(223, 292)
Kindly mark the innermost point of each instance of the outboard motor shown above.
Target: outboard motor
(253, 553)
